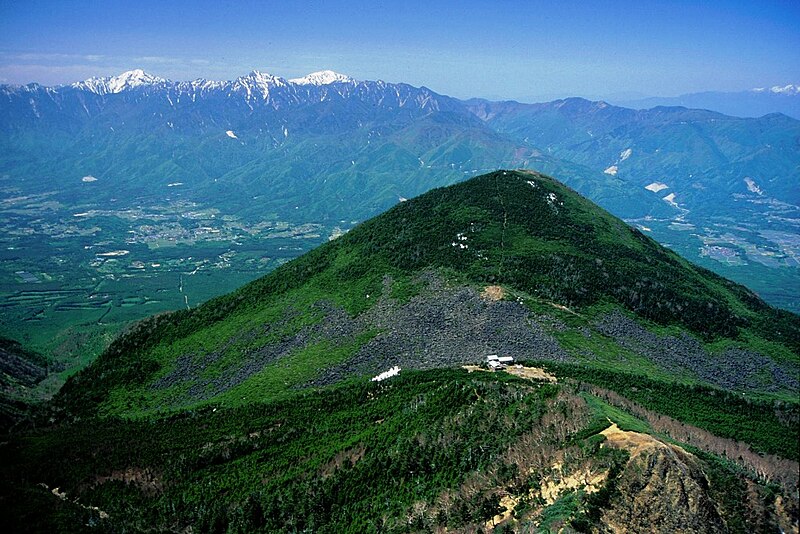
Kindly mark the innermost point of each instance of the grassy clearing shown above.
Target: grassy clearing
(623, 419)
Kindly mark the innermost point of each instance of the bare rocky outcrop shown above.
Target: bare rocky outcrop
(766, 467)
(146, 479)
(663, 488)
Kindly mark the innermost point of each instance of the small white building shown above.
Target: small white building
(498, 362)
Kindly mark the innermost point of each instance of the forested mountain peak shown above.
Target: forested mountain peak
(545, 249)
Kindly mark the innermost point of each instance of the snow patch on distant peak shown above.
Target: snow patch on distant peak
(258, 83)
(655, 187)
(230, 134)
(670, 199)
(261, 79)
(116, 84)
(323, 77)
(625, 154)
(261, 76)
(611, 170)
(789, 89)
(133, 78)
(752, 186)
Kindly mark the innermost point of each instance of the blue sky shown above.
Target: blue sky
(501, 48)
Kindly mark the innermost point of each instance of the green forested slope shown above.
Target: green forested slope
(425, 450)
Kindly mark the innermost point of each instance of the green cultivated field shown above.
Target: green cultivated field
(68, 288)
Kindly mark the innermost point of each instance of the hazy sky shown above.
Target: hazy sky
(496, 48)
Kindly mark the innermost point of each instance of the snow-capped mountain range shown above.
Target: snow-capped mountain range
(137, 78)
(256, 89)
(261, 88)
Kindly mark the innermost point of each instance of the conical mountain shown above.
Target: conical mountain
(511, 262)
(327, 396)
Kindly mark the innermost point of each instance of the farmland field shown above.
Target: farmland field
(71, 279)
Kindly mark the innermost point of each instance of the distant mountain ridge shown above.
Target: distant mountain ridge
(378, 126)
(753, 103)
(699, 147)
(138, 78)
(255, 88)
(728, 179)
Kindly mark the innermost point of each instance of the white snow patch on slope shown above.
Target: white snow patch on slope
(88, 179)
(611, 170)
(553, 202)
(625, 154)
(655, 187)
(752, 186)
(670, 199)
(386, 374)
(230, 134)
